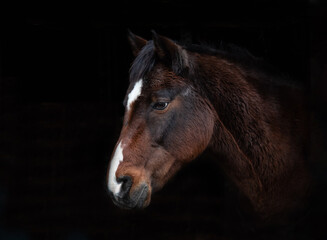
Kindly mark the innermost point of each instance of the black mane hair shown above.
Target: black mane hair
(146, 60)
(143, 63)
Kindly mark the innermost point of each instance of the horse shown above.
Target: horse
(185, 99)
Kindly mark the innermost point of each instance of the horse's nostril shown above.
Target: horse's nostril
(126, 182)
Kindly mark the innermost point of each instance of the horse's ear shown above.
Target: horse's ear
(170, 52)
(136, 42)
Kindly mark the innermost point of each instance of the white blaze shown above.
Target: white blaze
(135, 93)
(118, 157)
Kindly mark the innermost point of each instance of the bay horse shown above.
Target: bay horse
(182, 100)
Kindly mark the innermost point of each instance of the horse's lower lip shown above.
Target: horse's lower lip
(142, 196)
(134, 201)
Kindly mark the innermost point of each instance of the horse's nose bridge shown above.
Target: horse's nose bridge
(135, 157)
(129, 156)
(134, 127)
(136, 148)
(133, 134)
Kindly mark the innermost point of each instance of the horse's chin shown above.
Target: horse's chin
(138, 199)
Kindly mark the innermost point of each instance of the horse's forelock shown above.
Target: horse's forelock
(143, 63)
(147, 59)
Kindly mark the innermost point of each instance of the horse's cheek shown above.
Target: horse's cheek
(199, 134)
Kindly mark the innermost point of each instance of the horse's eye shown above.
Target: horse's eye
(160, 105)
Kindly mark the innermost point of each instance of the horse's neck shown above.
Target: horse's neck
(242, 112)
(249, 132)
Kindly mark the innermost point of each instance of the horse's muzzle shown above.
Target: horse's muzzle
(128, 198)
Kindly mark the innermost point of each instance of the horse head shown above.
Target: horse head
(167, 123)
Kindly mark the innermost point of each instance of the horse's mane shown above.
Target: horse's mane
(244, 58)
(146, 60)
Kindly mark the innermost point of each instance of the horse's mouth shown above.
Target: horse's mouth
(136, 200)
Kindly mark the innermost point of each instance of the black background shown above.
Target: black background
(64, 73)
